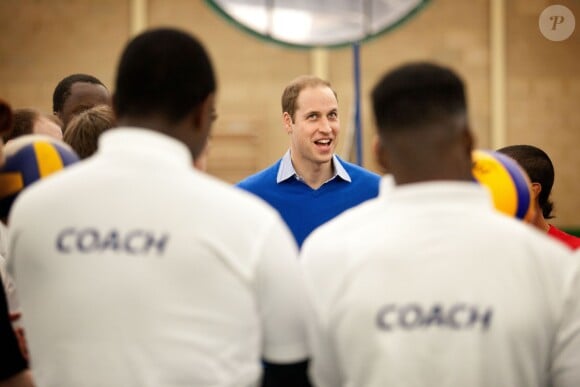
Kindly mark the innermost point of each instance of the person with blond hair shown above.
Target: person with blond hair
(83, 132)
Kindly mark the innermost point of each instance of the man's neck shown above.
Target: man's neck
(538, 220)
(314, 174)
(542, 224)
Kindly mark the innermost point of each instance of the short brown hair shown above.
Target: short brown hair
(291, 92)
(83, 132)
(23, 123)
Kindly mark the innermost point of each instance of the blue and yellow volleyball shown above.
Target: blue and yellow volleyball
(507, 182)
(29, 159)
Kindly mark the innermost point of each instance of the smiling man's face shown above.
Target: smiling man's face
(315, 127)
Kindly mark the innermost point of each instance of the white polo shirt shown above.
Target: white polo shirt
(134, 269)
(429, 286)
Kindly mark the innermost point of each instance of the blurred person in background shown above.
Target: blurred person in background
(32, 121)
(540, 170)
(77, 93)
(13, 366)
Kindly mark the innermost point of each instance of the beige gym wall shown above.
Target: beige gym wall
(524, 91)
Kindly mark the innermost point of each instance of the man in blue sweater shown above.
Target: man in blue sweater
(310, 185)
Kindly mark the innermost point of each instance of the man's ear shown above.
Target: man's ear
(287, 120)
(468, 139)
(203, 114)
(58, 115)
(536, 189)
(113, 102)
(380, 154)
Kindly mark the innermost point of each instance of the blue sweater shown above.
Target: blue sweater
(304, 208)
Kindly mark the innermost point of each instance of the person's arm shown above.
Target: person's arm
(566, 351)
(286, 375)
(282, 308)
(13, 366)
(323, 274)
